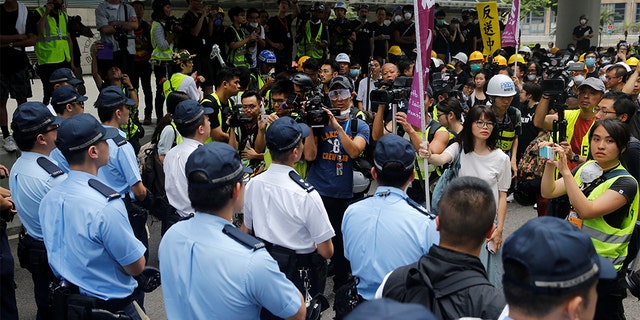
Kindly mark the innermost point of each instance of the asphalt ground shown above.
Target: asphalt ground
(516, 216)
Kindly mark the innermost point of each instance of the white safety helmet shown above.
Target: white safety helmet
(501, 85)
(360, 182)
(462, 57)
(525, 49)
(343, 57)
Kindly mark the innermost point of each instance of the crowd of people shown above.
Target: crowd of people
(270, 132)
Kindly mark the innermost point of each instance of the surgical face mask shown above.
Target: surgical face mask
(603, 77)
(475, 67)
(590, 62)
(397, 18)
(354, 73)
(344, 114)
(475, 21)
(590, 172)
(253, 24)
(440, 22)
(531, 77)
(407, 15)
(578, 79)
(583, 21)
(387, 22)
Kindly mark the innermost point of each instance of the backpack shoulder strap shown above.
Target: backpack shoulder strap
(459, 281)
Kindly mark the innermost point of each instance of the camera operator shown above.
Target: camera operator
(253, 25)
(578, 124)
(238, 39)
(389, 73)
(332, 151)
(116, 22)
(247, 128)
(197, 27)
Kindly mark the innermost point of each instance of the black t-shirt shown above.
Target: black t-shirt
(579, 31)
(468, 32)
(195, 45)
(529, 131)
(441, 44)
(403, 30)
(341, 31)
(231, 34)
(379, 48)
(280, 31)
(363, 35)
(12, 60)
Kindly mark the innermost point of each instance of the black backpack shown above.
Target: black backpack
(410, 284)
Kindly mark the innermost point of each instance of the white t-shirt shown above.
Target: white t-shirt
(175, 178)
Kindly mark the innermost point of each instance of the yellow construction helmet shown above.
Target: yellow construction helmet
(632, 62)
(519, 57)
(476, 56)
(500, 60)
(433, 53)
(581, 59)
(395, 50)
(301, 61)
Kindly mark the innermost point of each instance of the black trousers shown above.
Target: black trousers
(142, 75)
(8, 306)
(44, 72)
(335, 208)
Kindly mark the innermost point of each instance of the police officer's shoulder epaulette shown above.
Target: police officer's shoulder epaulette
(104, 189)
(420, 208)
(50, 167)
(242, 238)
(358, 200)
(301, 182)
(120, 140)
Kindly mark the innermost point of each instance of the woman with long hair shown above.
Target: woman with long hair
(479, 97)
(479, 157)
(604, 203)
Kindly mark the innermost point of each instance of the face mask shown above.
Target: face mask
(475, 67)
(603, 78)
(217, 22)
(475, 21)
(344, 114)
(407, 15)
(253, 24)
(590, 62)
(583, 21)
(354, 73)
(590, 172)
(397, 18)
(387, 22)
(578, 79)
(531, 77)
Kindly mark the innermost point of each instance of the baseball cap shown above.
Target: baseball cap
(182, 56)
(219, 162)
(64, 75)
(393, 148)
(390, 309)
(32, 116)
(66, 94)
(343, 57)
(557, 256)
(113, 97)
(189, 111)
(285, 134)
(594, 83)
(342, 81)
(81, 131)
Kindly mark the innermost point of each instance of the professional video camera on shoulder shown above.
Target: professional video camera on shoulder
(307, 102)
(237, 117)
(392, 92)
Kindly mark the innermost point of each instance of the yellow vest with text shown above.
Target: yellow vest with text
(173, 84)
(611, 243)
(159, 54)
(52, 45)
(215, 96)
(572, 117)
(237, 56)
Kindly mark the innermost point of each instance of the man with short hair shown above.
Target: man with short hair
(196, 37)
(287, 212)
(551, 270)
(332, 152)
(88, 237)
(341, 31)
(408, 230)
(234, 275)
(237, 40)
(615, 77)
(66, 101)
(227, 85)
(32, 176)
(249, 131)
(465, 220)
(192, 122)
(280, 33)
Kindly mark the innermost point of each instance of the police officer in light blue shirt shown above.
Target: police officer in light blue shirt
(210, 269)
(32, 176)
(122, 173)
(387, 230)
(66, 102)
(87, 233)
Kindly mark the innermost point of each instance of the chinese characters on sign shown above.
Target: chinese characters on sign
(489, 27)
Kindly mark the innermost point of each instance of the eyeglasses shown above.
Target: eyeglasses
(343, 94)
(598, 110)
(278, 101)
(481, 124)
(441, 114)
(248, 106)
(52, 128)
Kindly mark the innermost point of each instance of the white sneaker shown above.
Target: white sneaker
(10, 144)
(510, 198)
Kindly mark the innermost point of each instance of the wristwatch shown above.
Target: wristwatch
(575, 158)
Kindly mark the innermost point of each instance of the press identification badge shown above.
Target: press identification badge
(574, 219)
(339, 168)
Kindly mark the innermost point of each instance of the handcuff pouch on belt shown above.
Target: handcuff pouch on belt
(32, 254)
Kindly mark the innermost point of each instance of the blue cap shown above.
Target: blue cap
(392, 148)
(66, 94)
(189, 111)
(31, 117)
(390, 309)
(219, 162)
(113, 97)
(558, 257)
(285, 134)
(64, 75)
(340, 81)
(81, 131)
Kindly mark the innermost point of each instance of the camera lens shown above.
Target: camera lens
(632, 280)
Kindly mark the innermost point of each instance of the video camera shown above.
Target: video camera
(122, 36)
(394, 91)
(237, 117)
(558, 86)
(310, 109)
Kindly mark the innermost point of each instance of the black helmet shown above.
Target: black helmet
(317, 6)
(302, 80)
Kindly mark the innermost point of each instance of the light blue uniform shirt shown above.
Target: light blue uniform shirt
(122, 172)
(29, 183)
(89, 239)
(56, 155)
(383, 233)
(208, 275)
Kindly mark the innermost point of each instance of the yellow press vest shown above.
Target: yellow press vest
(572, 117)
(52, 45)
(215, 97)
(308, 48)
(159, 54)
(419, 174)
(173, 84)
(178, 135)
(237, 56)
(611, 243)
